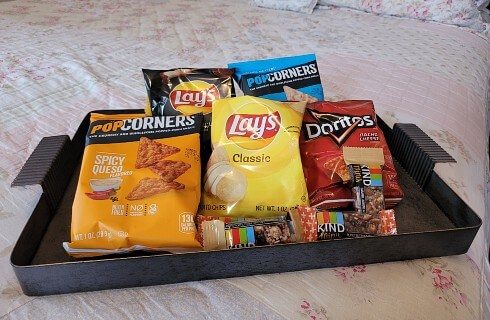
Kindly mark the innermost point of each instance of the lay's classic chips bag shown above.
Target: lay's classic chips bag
(255, 168)
(139, 185)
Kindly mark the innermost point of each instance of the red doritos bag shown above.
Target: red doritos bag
(329, 126)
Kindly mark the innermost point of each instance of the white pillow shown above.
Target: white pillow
(458, 12)
(304, 6)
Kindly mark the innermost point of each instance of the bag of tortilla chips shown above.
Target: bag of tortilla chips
(295, 78)
(139, 185)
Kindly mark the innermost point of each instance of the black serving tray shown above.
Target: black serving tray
(432, 221)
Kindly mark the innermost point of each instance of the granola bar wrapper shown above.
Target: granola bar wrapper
(216, 233)
(364, 224)
(364, 165)
(310, 224)
(328, 127)
(139, 185)
(388, 222)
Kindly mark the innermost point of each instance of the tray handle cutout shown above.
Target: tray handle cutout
(416, 151)
(46, 166)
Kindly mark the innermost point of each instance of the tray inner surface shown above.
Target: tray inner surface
(416, 213)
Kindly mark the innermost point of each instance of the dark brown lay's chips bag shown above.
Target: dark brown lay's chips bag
(186, 91)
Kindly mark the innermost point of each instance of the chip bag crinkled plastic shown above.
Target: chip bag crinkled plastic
(255, 168)
(139, 185)
(186, 91)
(328, 127)
(294, 78)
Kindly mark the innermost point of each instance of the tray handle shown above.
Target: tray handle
(46, 166)
(416, 151)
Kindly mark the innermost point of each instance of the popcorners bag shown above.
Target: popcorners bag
(293, 78)
(139, 185)
(255, 168)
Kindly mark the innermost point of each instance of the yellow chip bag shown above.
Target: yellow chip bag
(139, 185)
(255, 168)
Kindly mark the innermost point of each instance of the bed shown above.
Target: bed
(62, 59)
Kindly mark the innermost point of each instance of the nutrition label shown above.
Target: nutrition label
(186, 222)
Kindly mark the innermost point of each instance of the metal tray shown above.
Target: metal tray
(432, 221)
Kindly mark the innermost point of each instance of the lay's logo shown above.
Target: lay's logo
(253, 126)
(253, 131)
(194, 96)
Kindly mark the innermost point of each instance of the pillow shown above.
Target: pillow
(462, 13)
(305, 6)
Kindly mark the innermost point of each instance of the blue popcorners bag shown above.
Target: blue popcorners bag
(288, 78)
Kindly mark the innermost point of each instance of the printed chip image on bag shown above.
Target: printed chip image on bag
(186, 91)
(255, 168)
(293, 78)
(327, 128)
(139, 186)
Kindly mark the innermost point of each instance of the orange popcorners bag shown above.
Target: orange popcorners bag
(139, 185)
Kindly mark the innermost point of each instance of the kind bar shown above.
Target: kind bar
(310, 224)
(289, 78)
(139, 176)
(366, 180)
(230, 233)
(327, 128)
(255, 168)
(388, 222)
(188, 91)
(361, 225)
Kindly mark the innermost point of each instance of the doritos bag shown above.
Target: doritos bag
(139, 185)
(288, 78)
(188, 91)
(329, 126)
(255, 168)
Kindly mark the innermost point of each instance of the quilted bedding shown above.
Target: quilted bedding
(61, 59)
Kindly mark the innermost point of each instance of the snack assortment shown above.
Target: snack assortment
(202, 169)
(138, 187)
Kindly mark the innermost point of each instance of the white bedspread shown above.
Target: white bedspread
(61, 59)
